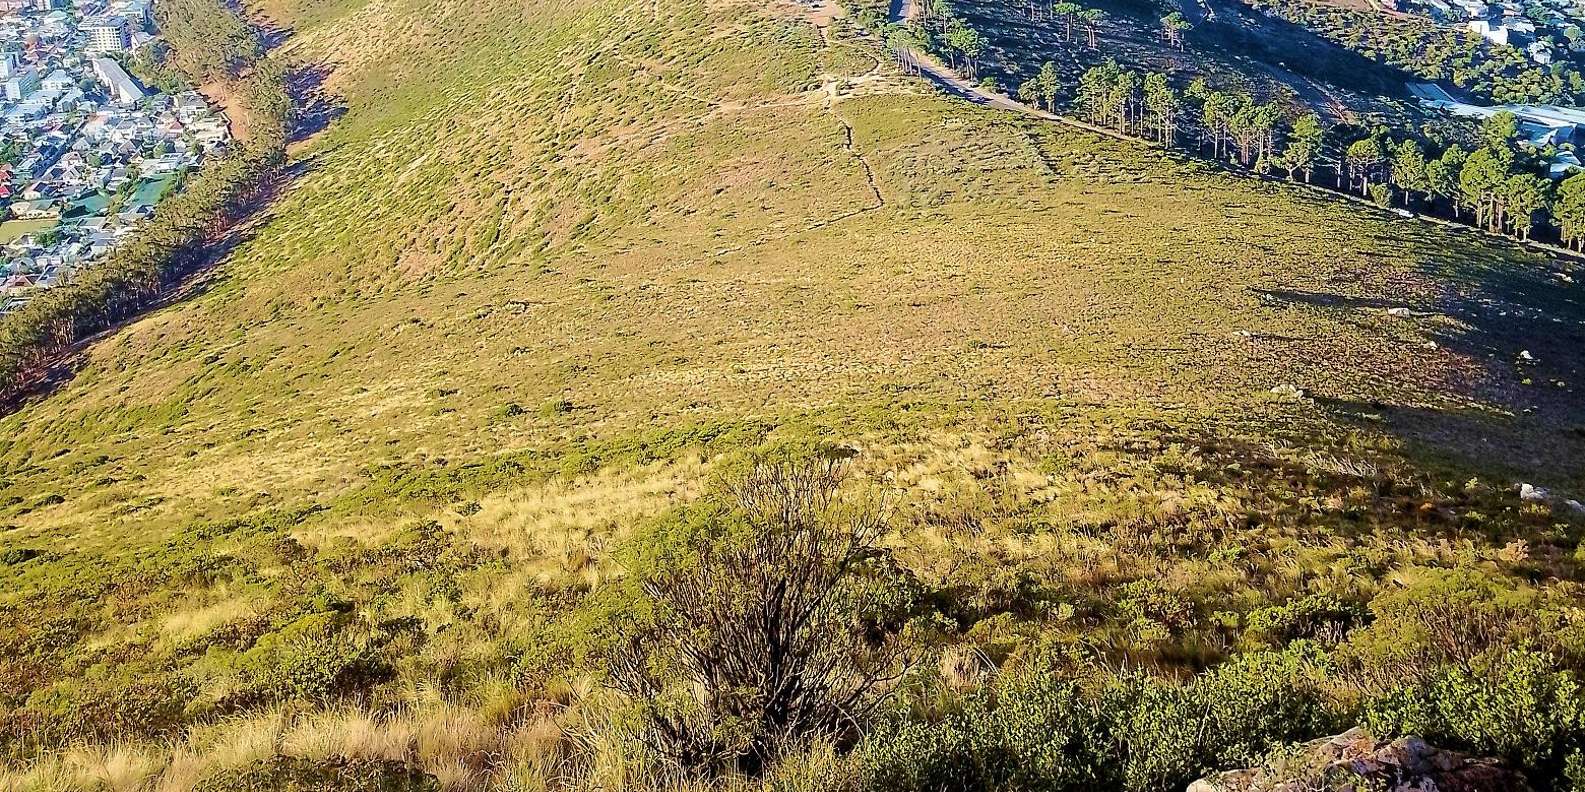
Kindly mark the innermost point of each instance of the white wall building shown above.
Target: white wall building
(1496, 34)
(1473, 9)
(122, 88)
(58, 80)
(108, 34)
(22, 85)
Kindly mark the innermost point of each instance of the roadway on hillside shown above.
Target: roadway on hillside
(956, 85)
(949, 80)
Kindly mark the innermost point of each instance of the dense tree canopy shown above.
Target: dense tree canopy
(205, 43)
(1500, 73)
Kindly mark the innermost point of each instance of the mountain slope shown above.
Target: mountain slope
(550, 260)
(669, 223)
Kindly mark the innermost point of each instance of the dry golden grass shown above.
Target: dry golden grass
(649, 235)
(612, 244)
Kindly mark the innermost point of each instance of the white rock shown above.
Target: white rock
(1532, 493)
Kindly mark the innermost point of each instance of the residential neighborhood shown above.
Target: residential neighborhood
(86, 151)
(1545, 30)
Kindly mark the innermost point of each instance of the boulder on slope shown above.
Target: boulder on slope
(1353, 761)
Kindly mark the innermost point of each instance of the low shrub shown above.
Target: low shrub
(1091, 730)
(1311, 617)
(759, 632)
(1516, 705)
(313, 658)
(290, 774)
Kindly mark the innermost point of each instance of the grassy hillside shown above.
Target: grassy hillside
(556, 261)
(665, 232)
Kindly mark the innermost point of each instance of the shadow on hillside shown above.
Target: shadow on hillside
(199, 274)
(1296, 49)
(1520, 447)
(1520, 320)
(1322, 299)
(1330, 79)
(315, 107)
(272, 36)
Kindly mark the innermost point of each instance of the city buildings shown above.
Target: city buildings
(121, 87)
(1543, 30)
(86, 152)
(22, 84)
(108, 34)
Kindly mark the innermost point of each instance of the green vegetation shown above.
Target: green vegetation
(11, 230)
(1416, 45)
(140, 271)
(475, 458)
(1010, 611)
(1503, 189)
(203, 43)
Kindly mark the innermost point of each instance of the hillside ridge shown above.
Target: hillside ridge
(1115, 448)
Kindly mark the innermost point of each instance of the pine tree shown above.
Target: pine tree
(1569, 211)
(1164, 106)
(1408, 170)
(1304, 146)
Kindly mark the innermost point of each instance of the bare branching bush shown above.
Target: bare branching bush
(755, 645)
(1342, 466)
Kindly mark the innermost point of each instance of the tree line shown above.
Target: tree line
(137, 272)
(939, 30)
(1491, 182)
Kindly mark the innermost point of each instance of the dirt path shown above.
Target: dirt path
(832, 92)
(950, 81)
(218, 94)
(847, 145)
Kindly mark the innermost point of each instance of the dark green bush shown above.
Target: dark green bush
(1230, 716)
(11, 556)
(1442, 616)
(1053, 731)
(290, 774)
(1516, 705)
(313, 658)
(1304, 617)
(122, 707)
(1041, 733)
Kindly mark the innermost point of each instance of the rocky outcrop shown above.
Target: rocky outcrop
(1352, 761)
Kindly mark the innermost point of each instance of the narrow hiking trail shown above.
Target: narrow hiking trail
(832, 93)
